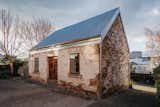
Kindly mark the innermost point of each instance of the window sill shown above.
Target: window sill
(75, 75)
(36, 73)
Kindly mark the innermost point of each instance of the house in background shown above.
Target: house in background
(91, 56)
(155, 61)
(135, 54)
(155, 57)
(141, 63)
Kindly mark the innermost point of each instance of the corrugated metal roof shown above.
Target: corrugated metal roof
(92, 27)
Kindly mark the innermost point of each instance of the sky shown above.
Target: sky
(136, 14)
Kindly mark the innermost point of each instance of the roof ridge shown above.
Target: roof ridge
(111, 10)
(105, 30)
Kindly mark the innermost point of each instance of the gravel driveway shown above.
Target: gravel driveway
(17, 93)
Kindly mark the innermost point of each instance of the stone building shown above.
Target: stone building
(91, 56)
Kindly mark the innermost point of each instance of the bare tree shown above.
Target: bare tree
(153, 40)
(9, 32)
(153, 45)
(35, 30)
(14, 34)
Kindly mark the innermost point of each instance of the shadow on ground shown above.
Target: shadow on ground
(130, 98)
(18, 93)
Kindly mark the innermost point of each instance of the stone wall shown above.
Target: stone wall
(89, 68)
(115, 59)
(42, 75)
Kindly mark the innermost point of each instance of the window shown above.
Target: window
(36, 65)
(74, 63)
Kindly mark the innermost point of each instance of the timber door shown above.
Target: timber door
(52, 63)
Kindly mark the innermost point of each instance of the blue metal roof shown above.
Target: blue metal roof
(92, 27)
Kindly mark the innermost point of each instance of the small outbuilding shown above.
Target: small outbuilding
(91, 56)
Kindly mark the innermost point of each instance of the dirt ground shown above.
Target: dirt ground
(18, 93)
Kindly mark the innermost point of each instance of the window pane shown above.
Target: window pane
(74, 63)
(36, 65)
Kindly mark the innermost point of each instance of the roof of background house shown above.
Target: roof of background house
(1, 56)
(141, 61)
(95, 26)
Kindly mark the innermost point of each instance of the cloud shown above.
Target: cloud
(136, 14)
(155, 11)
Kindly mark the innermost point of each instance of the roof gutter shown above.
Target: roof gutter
(63, 43)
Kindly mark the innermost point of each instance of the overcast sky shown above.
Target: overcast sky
(136, 14)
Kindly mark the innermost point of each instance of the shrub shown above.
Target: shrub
(17, 64)
(23, 70)
(4, 72)
(5, 69)
(157, 77)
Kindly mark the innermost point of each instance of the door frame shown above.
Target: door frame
(54, 57)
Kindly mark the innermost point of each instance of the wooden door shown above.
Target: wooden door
(52, 63)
